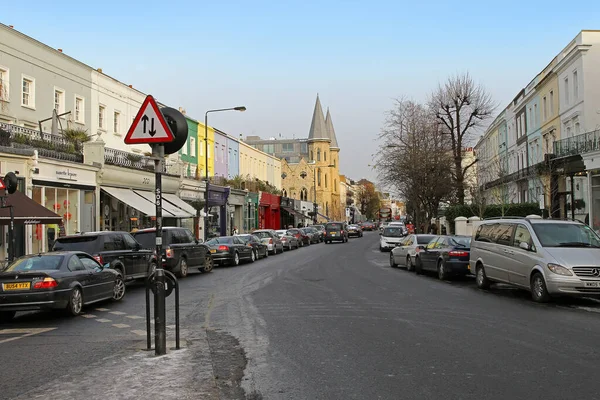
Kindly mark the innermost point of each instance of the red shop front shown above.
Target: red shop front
(269, 213)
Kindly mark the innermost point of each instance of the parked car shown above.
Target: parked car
(547, 257)
(313, 234)
(302, 237)
(290, 241)
(271, 239)
(354, 230)
(447, 255)
(321, 230)
(336, 231)
(390, 237)
(405, 252)
(368, 226)
(65, 280)
(180, 249)
(118, 249)
(230, 250)
(261, 250)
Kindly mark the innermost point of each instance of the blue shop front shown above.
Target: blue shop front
(217, 210)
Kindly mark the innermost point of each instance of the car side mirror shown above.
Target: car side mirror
(524, 246)
(137, 247)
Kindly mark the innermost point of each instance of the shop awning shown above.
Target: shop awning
(130, 198)
(294, 212)
(176, 201)
(27, 212)
(166, 206)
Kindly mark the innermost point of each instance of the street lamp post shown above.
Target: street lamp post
(240, 108)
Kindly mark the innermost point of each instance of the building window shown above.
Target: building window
(312, 155)
(303, 148)
(318, 154)
(535, 115)
(193, 147)
(566, 91)
(223, 153)
(79, 109)
(325, 180)
(28, 92)
(59, 101)
(335, 185)
(319, 177)
(101, 113)
(184, 149)
(4, 84)
(575, 86)
(529, 117)
(117, 122)
(551, 102)
(545, 108)
(287, 147)
(577, 128)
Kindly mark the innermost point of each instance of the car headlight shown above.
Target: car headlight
(559, 269)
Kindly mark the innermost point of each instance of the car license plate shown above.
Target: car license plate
(213, 251)
(591, 284)
(333, 233)
(16, 286)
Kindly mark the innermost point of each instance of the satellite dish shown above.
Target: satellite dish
(11, 182)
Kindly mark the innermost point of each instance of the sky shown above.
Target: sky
(275, 56)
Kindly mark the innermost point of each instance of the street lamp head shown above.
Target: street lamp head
(240, 108)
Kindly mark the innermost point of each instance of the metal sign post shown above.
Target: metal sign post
(160, 323)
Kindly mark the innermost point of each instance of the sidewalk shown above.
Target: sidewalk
(210, 365)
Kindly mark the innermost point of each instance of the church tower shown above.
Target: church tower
(319, 153)
(338, 204)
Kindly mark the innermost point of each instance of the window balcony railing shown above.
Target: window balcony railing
(126, 159)
(47, 144)
(579, 144)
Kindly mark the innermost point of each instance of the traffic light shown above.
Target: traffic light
(178, 125)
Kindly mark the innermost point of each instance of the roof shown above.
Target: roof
(330, 130)
(318, 129)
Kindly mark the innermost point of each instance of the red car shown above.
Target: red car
(368, 226)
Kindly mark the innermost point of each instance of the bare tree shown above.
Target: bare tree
(414, 157)
(461, 107)
(493, 183)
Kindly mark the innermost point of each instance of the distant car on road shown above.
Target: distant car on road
(65, 280)
(290, 241)
(271, 239)
(368, 226)
(390, 237)
(261, 250)
(313, 234)
(354, 230)
(405, 252)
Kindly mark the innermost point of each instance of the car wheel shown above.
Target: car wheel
(481, 278)
(75, 302)
(441, 270)
(418, 266)
(380, 248)
(208, 264)
(539, 291)
(236, 259)
(409, 264)
(392, 262)
(253, 257)
(119, 289)
(183, 268)
(6, 316)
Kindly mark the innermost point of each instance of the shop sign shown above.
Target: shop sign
(66, 174)
(215, 196)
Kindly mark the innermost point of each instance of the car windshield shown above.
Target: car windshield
(461, 241)
(334, 227)
(424, 239)
(566, 235)
(148, 239)
(262, 235)
(244, 238)
(86, 244)
(220, 240)
(392, 231)
(36, 263)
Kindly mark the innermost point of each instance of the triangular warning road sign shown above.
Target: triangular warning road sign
(149, 125)
(2, 185)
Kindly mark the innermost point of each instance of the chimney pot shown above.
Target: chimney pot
(60, 50)
(100, 70)
(131, 86)
(11, 26)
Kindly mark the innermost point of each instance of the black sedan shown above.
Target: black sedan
(230, 250)
(447, 255)
(261, 250)
(354, 230)
(65, 280)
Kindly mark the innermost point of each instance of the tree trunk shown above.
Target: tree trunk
(460, 181)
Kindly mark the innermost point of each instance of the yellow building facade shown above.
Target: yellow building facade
(202, 148)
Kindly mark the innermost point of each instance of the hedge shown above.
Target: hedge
(491, 211)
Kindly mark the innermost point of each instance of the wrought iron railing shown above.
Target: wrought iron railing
(126, 159)
(47, 144)
(579, 144)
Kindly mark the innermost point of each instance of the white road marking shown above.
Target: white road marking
(139, 332)
(134, 317)
(171, 326)
(24, 333)
(121, 326)
(117, 312)
(103, 320)
(102, 309)
(88, 315)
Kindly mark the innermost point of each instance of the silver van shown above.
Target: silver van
(547, 257)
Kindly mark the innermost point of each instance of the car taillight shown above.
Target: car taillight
(455, 253)
(169, 252)
(248, 245)
(99, 259)
(270, 241)
(224, 248)
(342, 231)
(47, 283)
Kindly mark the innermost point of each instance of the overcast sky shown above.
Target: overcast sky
(275, 56)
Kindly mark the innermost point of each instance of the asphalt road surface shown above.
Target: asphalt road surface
(323, 322)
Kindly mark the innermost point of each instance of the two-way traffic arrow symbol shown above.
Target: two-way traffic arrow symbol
(144, 120)
(152, 131)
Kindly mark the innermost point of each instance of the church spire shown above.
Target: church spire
(318, 130)
(330, 131)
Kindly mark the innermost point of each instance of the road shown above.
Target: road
(324, 322)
